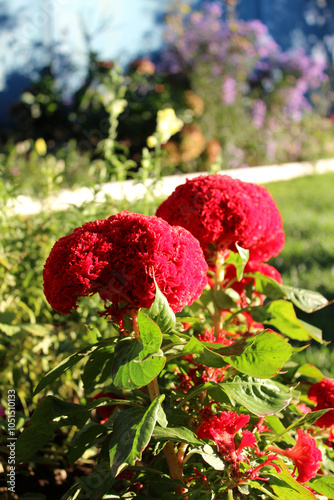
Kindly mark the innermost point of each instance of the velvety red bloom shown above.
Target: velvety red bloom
(222, 430)
(106, 411)
(305, 454)
(221, 211)
(323, 394)
(116, 257)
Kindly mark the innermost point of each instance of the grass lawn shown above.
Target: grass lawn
(307, 260)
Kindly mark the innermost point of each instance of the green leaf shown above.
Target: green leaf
(162, 417)
(177, 434)
(307, 300)
(138, 361)
(276, 425)
(210, 456)
(261, 397)
(63, 366)
(264, 356)
(49, 416)
(38, 330)
(311, 371)
(286, 487)
(309, 419)
(204, 355)
(84, 440)
(315, 332)
(238, 260)
(9, 329)
(281, 315)
(188, 319)
(131, 434)
(267, 286)
(324, 486)
(94, 367)
(161, 312)
(94, 486)
(224, 300)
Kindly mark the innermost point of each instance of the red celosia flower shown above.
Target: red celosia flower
(304, 454)
(116, 257)
(200, 375)
(222, 211)
(106, 411)
(209, 336)
(222, 430)
(303, 408)
(323, 394)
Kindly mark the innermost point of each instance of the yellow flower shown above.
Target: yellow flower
(40, 146)
(168, 124)
(185, 8)
(151, 141)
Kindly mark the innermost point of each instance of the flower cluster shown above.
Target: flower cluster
(322, 393)
(117, 257)
(238, 52)
(236, 67)
(231, 441)
(220, 212)
(223, 429)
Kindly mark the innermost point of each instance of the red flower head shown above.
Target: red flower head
(116, 257)
(323, 394)
(222, 430)
(106, 411)
(304, 454)
(222, 211)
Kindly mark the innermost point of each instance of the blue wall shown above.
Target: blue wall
(35, 32)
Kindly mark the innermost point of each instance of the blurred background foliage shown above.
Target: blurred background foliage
(243, 99)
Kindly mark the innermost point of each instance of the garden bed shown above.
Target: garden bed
(134, 190)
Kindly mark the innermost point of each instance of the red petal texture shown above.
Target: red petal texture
(323, 394)
(115, 257)
(306, 456)
(222, 211)
(222, 430)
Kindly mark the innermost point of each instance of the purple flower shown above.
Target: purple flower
(259, 113)
(229, 91)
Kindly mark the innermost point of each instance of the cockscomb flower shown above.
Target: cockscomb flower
(222, 337)
(106, 411)
(220, 212)
(323, 394)
(117, 257)
(305, 455)
(223, 429)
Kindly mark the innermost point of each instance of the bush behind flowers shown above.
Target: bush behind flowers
(205, 403)
(252, 91)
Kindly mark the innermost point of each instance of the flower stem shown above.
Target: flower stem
(134, 317)
(230, 494)
(153, 389)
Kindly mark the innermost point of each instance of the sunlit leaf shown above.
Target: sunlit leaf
(138, 361)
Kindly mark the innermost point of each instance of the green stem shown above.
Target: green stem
(230, 494)
(153, 388)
